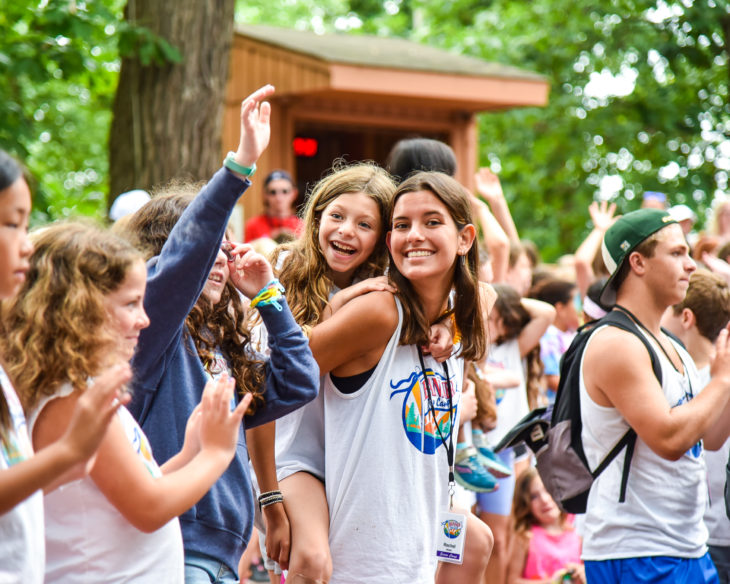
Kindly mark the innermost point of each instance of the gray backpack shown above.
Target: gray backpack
(554, 433)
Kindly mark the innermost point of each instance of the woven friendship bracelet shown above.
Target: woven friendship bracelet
(269, 498)
(271, 502)
(269, 294)
(268, 494)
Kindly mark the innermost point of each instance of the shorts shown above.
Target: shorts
(300, 441)
(652, 569)
(721, 558)
(499, 502)
(202, 569)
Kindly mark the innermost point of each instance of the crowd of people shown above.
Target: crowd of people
(178, 407)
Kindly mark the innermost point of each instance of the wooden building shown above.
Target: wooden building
(355, 96)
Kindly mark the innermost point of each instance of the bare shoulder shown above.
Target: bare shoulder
(53, 420)
(615, 361)
(376, 309)
(614, 345)
(356, 335)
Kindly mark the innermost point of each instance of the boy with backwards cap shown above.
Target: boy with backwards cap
(657, 533)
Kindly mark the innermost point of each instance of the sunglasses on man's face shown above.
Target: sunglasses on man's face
(273, 192)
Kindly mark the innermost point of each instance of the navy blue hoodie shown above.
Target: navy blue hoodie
(169, 377)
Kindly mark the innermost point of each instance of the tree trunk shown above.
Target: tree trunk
(167, 119)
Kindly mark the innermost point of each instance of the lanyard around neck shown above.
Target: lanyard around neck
(450, 446)
(661, 346)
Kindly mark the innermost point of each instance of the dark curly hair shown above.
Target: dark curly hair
(220, 325)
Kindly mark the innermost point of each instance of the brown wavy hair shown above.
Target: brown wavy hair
(521, 513)
(54, 331)
(467, 308)
(222, 325)
(304, 270)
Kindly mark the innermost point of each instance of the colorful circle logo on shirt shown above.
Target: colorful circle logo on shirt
(452, 528)
(425, 430)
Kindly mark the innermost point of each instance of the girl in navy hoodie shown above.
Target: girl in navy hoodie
(197, 332)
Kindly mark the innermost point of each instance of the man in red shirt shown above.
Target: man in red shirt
(279, 222)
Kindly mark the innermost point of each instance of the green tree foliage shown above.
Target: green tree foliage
(59, 67)
(638, 101)
(58, 73)
(639, 94)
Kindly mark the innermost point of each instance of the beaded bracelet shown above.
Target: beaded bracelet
(269, 294)
(270, 498)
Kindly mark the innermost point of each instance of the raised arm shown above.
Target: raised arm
(146, 501)
(353, 339)
(490, 188)
(542, 316)
(619, 374)
(177, 276)
(292, 375)
(495, 238)
(602, 215)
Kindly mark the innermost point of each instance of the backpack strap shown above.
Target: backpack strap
(630, 444)
(621, 320)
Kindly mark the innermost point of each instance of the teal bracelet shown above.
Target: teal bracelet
(231, 164)
(269, 294)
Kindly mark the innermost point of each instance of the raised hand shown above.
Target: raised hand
(255, 126)
(219, 426)
(602, 214)
(488, 184)
(717, 265)
(94, 410)
(249, 270)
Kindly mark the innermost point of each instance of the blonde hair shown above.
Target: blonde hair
(54, 331)
(304, 269)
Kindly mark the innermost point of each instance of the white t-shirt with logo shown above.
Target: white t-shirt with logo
(88, 539)
(22, 548)
(386, 467)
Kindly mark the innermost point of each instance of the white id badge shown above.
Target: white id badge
(450, 536)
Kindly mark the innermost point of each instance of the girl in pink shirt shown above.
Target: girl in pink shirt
(545, 545)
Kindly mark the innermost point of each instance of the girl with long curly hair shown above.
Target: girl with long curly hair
(198, 332)
(24, 473)
(79, 312)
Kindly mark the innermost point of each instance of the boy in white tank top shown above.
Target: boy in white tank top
(664, 540)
